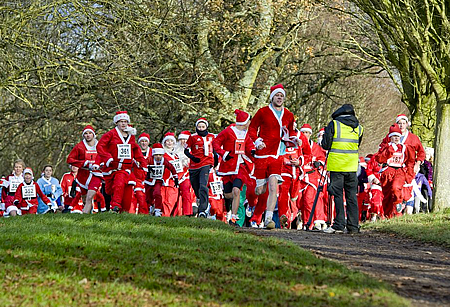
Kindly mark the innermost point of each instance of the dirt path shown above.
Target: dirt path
(418, 271)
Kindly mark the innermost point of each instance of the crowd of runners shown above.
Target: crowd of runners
(261, 171)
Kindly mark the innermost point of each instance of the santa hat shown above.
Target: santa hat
(306, 128)
(184, 135)
(321, 132)
(394, 130)
(144, 136)
(121, 115)
(157, 149)
(202, 120)
(400, 117)
(28, 170)
(368, 157)
(276, 89)
(169, 136)
(88, 128)
(242, 117)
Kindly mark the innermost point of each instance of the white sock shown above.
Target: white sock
(269, 215)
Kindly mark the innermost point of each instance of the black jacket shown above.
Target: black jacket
(345, 115)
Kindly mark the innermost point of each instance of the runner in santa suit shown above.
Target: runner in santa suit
(293, 162)
(68, 184)
(137, 178)
(52, 189)
(160, 173)
(216, 197)
(118, 150)
(88, 179)
(376, 193)
(399, 159)
(413, 140)
(271, 129)
(171, 193)
(234, 146)
(363, 190)
(10, 185)
(199, 149)
(28, 193)
(186, 193)
(313, 169)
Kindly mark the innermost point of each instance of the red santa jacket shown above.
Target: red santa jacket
(201, 147)
(27, 195)
(398, 156)
(118, 153)
(10, 185)
(410, 139)
(373, 170)
(66, 186)
(163, 170)
(237, 144)
(84, 156)
(267, 127)
(139, 173)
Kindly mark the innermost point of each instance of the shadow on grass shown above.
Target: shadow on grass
(189, 259)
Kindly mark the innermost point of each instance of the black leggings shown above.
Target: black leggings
(199, 181)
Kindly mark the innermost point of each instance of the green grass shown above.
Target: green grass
(129, 260)
(432, 228)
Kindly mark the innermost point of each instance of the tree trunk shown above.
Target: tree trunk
(441, 174)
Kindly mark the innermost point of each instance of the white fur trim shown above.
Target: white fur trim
(258, 142)
(276, 91)
(394, 134)
(399, 118)
(202, 121)
(169, 137)
(158, 151)
(183, 137)
(109, 161)
(143, 138)
(306, 130)
(243, 123)
(371, 178)
(90, 130)
(121, 116)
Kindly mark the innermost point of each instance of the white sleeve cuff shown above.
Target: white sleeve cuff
(371, 177)
(109, 161)
(258, 142)
(225, 155)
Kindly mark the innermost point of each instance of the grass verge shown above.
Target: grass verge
(432, 228)
(128, 260)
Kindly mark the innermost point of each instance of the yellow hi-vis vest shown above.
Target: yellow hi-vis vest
(343, 154)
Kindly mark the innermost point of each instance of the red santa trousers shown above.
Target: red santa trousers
(363, 204)
(169, 199)
(392, 181)
(260, 207)
(186, 197)
(289, 189)
(217, 208)
(117, 186)
(376, 202)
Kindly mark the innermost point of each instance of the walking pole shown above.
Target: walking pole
(319, 189)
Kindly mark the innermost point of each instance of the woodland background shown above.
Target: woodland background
(65, 64)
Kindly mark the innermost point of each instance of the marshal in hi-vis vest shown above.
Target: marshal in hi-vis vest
(343, 154)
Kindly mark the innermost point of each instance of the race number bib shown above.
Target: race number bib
(216, 187)
(396, 160)
(14, 184)
(124, 151)
(90, 155)
(290, 155)
(239, 147)
(29, 191)
(177, 165)
(158, 171)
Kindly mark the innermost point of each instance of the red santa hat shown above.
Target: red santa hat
(88, 128)
(121, 115)
(368, 157)
(184, 135)
(28, 170)
(242, 117)
(157, 149)
(321, 132)
(202, 120)
(394, 130)
(144, 136)
(306, 128)
(400, 117)
(169, 136)
(275, 90)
